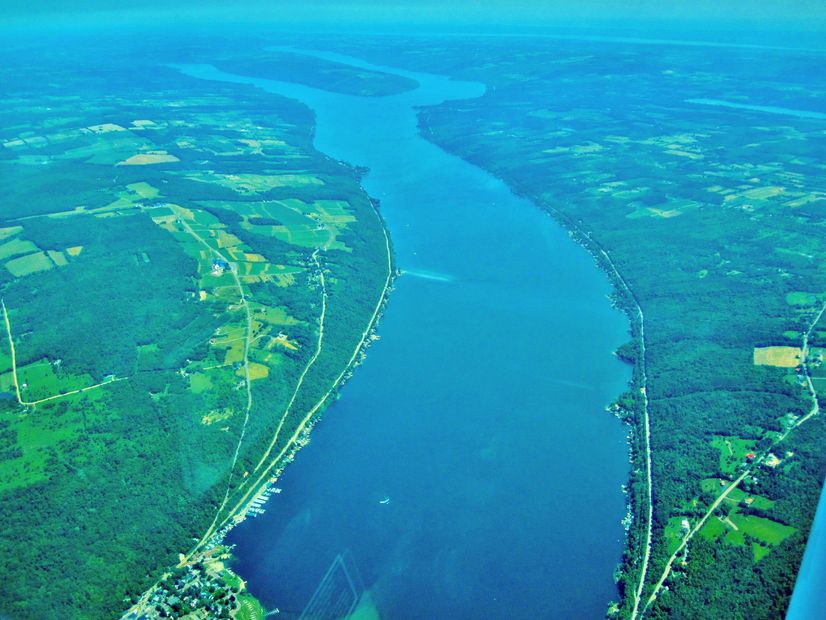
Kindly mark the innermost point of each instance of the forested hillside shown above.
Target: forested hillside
(185, 282)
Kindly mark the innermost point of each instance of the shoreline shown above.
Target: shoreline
(621, 296)
(300, 438)
(623, 299)
(302, 434)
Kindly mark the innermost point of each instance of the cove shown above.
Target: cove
(479, 414)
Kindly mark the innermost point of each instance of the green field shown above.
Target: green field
(15, 247)
(737, 496)
(132, 356)
(44, 379)
(713, 528)
(31, 263)
(765, 530)
(759, 551)
(799, 298)
(674, 533)
(733, 452)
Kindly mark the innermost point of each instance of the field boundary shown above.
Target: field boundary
(247, 342)
(34, 403)
(256, 485)
(757, 462)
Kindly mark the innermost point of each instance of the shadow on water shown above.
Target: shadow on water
(480, 412)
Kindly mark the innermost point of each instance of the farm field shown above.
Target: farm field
(783, 357)
(165, 287)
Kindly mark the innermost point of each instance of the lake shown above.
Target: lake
(469, 468)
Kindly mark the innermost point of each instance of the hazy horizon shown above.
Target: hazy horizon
(704, 16)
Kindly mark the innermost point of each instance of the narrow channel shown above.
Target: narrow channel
(469, 468)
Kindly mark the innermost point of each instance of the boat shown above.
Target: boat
(386, 500)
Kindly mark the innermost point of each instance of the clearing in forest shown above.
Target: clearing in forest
(783, 357)
(152, 157)
(24, 265)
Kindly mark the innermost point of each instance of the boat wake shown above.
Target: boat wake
(434, 276)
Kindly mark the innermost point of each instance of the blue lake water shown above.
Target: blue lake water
(479, 413)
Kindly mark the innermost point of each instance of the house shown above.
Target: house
(772, 460)
(219, 266)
